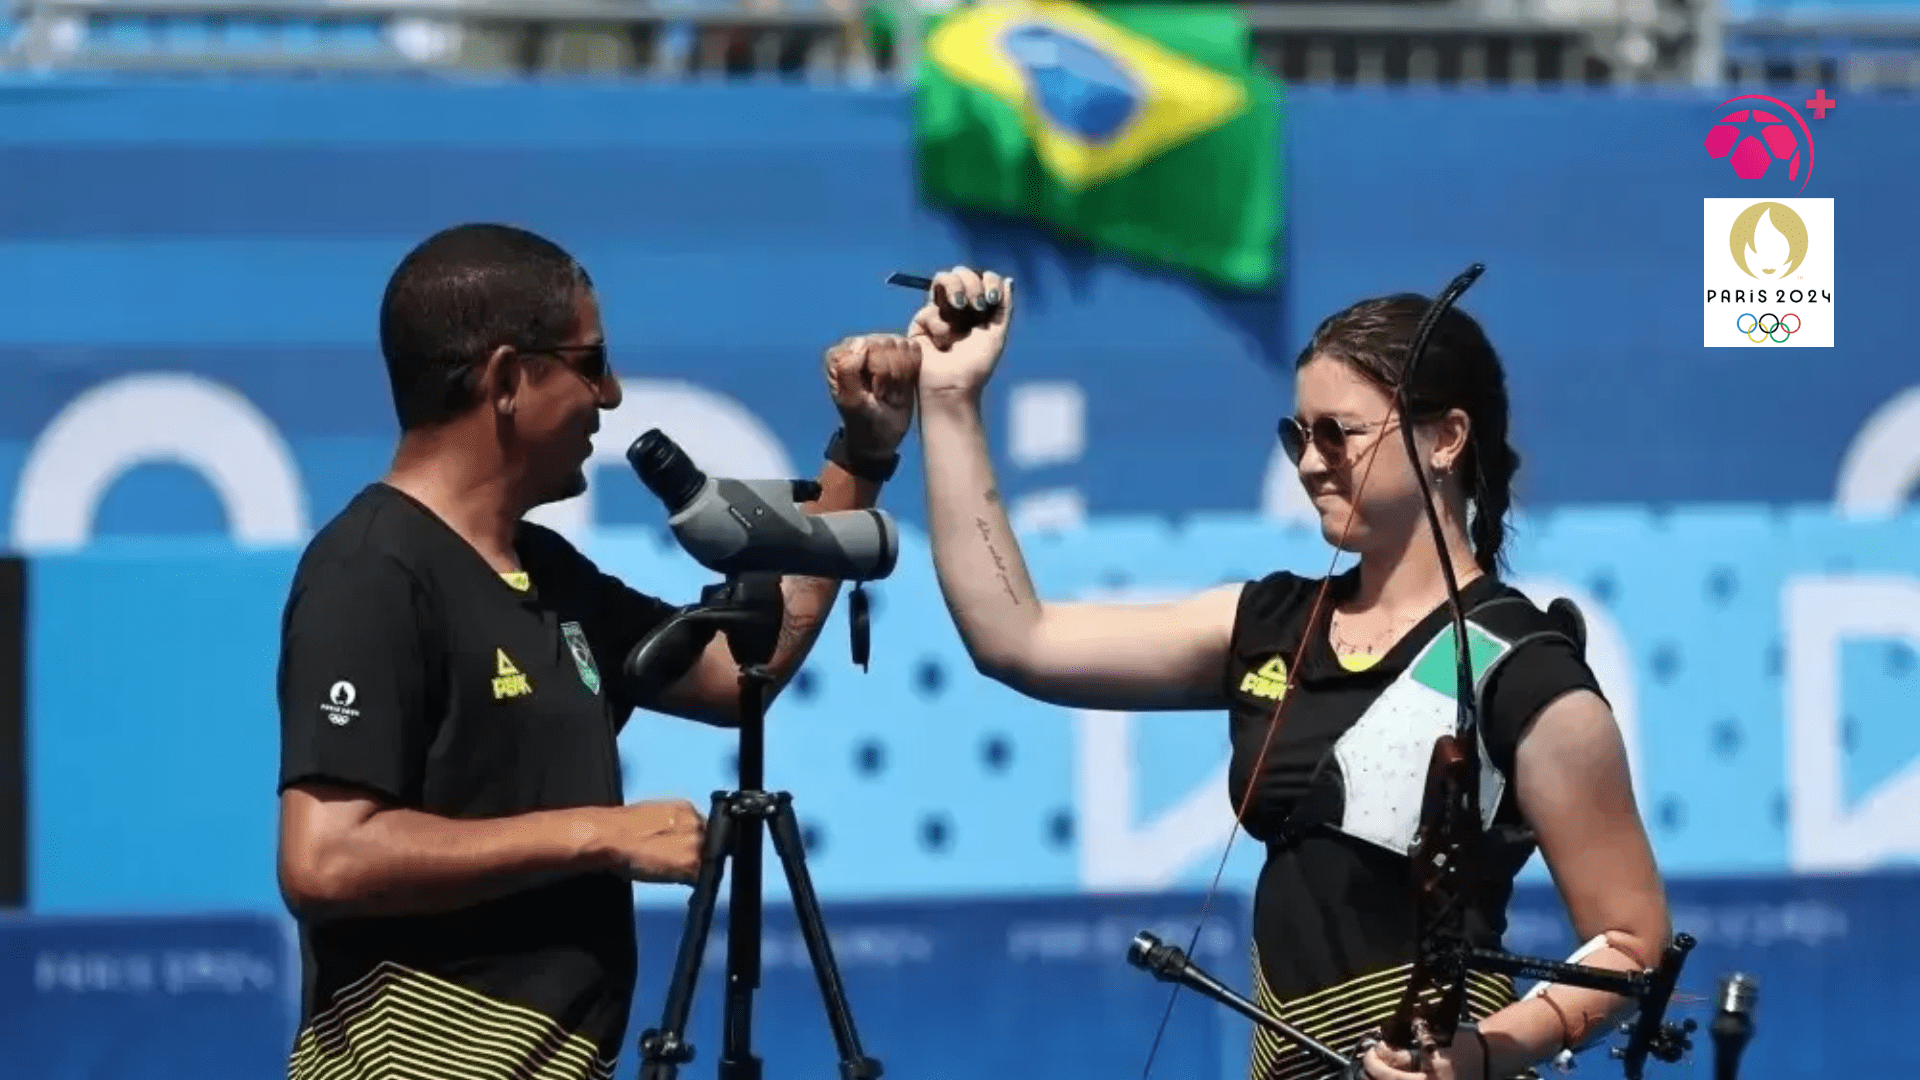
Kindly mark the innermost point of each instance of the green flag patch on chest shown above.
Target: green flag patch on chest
(582, 653)
(1437, 667)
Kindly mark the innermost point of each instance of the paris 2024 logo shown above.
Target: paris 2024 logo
(1755, 131)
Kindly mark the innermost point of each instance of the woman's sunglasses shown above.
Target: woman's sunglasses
(1329, 436)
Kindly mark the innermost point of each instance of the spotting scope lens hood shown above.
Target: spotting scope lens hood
(666, 470)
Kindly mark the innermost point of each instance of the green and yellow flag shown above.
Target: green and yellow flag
(1146, 129)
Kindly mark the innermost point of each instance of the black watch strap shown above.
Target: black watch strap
(877, 470)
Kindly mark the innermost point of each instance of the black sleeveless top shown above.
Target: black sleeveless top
(1333, 923)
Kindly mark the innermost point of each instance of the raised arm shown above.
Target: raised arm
(1109, 656)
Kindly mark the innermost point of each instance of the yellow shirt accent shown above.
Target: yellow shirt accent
(517, 579)
(398, 1015)
(1357, 661)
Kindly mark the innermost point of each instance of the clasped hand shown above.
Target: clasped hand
(950, 347)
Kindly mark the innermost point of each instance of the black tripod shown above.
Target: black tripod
(749, 609)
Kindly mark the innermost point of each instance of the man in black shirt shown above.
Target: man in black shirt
(453, 839)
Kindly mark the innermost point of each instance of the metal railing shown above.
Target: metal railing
(1466, 42)
(410, 35)
(1496, 42)
(1855, 54)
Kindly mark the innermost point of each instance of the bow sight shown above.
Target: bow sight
(1449, 834)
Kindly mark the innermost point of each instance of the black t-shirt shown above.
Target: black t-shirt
(1334, 917)
(411, 670)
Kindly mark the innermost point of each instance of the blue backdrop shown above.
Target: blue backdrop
(1762, 664)
(242, 234)
(194, 270)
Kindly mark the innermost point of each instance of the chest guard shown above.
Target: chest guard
(1372, 783)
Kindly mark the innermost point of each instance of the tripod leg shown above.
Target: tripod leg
(664, 1049)
(854, 1063)
(737, 1061)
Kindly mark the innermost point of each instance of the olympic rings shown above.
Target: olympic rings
(1760, 331)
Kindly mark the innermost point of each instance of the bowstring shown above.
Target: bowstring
(1273, 728)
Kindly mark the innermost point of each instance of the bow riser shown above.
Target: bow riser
(1440, 866)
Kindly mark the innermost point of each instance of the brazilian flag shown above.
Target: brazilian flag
(1144, 129)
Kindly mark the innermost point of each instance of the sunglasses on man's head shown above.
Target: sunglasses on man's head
(1328, 435)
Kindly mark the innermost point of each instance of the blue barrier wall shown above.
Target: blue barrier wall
(973, 989)
(242, 234)
(988, 989)
(1763, 666)
(158, 999)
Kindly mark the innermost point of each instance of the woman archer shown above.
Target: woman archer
(1333, 909)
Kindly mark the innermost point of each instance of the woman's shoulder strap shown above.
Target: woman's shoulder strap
(1513, 617)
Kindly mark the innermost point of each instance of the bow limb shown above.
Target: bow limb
(1441, 860)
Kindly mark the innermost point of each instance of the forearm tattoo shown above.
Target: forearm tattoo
(1000, 563)
(806, 603)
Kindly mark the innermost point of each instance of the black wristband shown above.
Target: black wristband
(877, 470)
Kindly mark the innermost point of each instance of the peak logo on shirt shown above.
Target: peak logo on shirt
(1268, 681)
(507, 680)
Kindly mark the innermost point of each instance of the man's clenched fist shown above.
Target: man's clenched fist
(874, 380)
